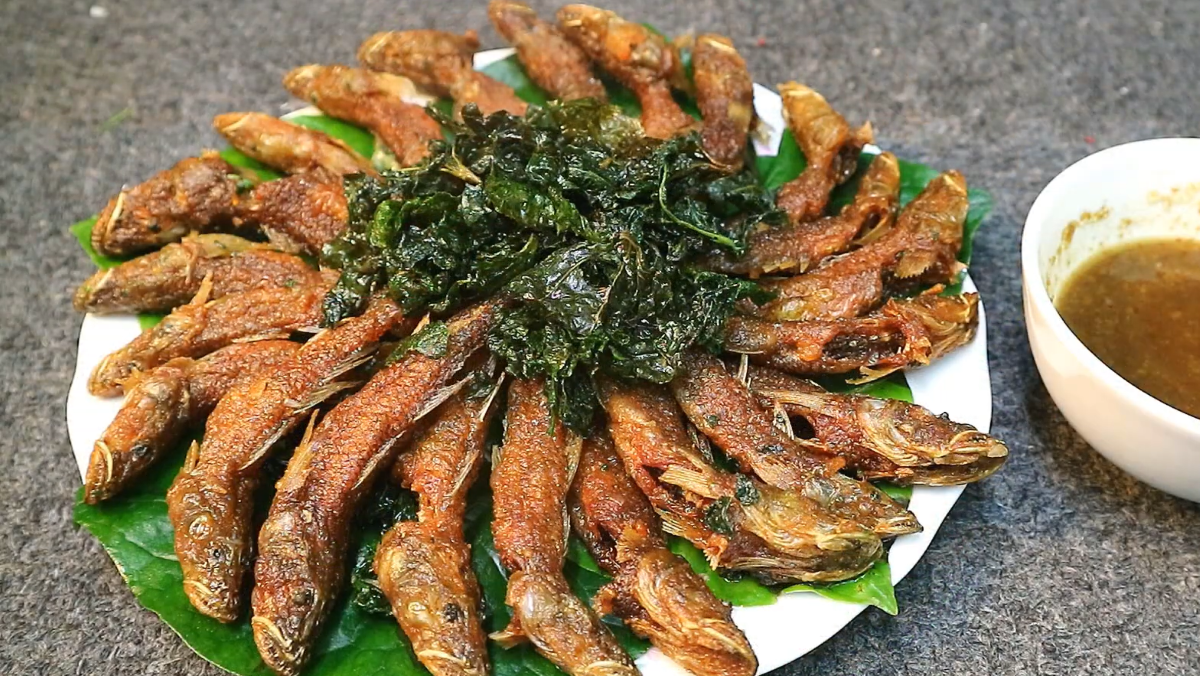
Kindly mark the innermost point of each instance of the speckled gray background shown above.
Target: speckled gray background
(1058, 565)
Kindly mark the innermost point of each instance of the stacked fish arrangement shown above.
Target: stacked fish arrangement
(242, 354)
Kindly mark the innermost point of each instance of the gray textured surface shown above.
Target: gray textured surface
(1058, 565)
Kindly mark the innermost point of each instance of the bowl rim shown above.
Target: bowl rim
(1034, 283)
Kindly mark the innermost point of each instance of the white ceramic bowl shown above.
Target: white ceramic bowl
(1143, 190)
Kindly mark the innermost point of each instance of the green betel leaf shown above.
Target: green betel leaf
(243, 161)
(360, 140)
(83, 234)
(743, 592)
(136, 533)
(873, 588)
(509, 71)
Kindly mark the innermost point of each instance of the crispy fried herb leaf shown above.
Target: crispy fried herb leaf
(586, 227)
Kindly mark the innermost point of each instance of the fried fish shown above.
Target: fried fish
(655, 592)
(766, 531)
(198, 194)
(289, 147)
(442, 63)
(302, 544)
(726, 411)
(903, 333)
(884, 438)
(799, 245)
(922, 248)
(372, 100)
(424, 566)
(202, 326)
(298, 214)
(161, 405)
(531, 475)
(830, 147)
(637, 57)
(552, 61)
(210, 502)
(165, 279)
(725, 96)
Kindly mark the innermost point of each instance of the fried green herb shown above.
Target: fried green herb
(586, 228)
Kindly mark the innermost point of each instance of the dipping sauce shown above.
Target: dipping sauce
(1137, 308)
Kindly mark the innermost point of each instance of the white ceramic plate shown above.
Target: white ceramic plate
(957, 384)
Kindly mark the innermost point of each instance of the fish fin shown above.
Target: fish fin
(511, 636)
(205, 291)
(692, 480)
(299, 460)
(781, 420)
(438, 397)
(806, 400)
(192, 457)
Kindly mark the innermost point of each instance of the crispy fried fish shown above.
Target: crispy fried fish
(162, 404)
(725, 96)
(289, 147)
(202, 326)
(424, 566)
(440, 62)
(724, 410)
(552, 61)
(885, 438)
(646, 426)
(655, 592)
(372, 100)
(298, 214)
(922, 248)
(165, 279)
(302, 544)
(637, 57)
(209, 504)
(198, 194)
(903, 333)
(775, 534)
(797, 246)
(531, 475)
(830, 149)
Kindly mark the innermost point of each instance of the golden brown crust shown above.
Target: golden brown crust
(884, 438)
(530, 480)
(637, 57)
(725, 96)
(440, 62)
(289, 147)
(165, 279)
(202, 326)
(901, 334)
(552, 61)
(830, 149)
(161, 405)
(299, 214)
(372, 100)
(424, 566)
(302, 544)
(656, 593)
(922, 248)
(798, 246)
(210, 501)
(724, 410)
(198, 194)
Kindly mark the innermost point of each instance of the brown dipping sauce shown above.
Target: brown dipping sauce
(1137, 308)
